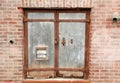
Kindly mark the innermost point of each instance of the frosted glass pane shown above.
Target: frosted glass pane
(41, 15)
(72, 16)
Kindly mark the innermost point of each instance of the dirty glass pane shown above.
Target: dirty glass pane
(72, 16)
(40, 41)
(73, 74)
(40, 74)
(71, 45)
(40, 15)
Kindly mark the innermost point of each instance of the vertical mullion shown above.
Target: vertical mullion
(25, 45)
(86, 73)
(57, 44)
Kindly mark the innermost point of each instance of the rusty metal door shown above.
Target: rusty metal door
(71, 43)
(40, 44)
(55, 43)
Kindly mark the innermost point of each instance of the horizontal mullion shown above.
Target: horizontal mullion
(71, 69)
(38, 20)
(50, 20)
(74, 21)
(40, 69)
(56, 21)
(55, 69)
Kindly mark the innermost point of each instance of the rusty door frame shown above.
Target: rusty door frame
(56, 21)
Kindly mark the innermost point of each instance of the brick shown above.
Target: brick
(104, 38)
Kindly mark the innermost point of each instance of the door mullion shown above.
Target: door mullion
(56, 43)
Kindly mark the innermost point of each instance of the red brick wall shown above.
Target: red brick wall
(105, 43)
(11, 55)
(104, 38)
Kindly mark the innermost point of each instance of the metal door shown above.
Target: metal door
(40, 44)
(71, 43)
(55, 44)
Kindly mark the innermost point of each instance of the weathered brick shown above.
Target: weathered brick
(104, 38)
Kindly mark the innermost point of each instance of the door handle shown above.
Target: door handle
(56, 41)
(63, 41)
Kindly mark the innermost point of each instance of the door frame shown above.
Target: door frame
(85, 70)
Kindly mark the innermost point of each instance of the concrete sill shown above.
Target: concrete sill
(56, 81)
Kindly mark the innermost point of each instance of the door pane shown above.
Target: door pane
(40, 44)
(71, 45)
(72, 16)
(40, 15)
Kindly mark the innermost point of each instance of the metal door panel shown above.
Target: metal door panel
(71, 53)
(40, 34)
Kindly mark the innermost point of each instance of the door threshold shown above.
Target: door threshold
(56, 80)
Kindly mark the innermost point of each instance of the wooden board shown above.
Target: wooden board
(57, 81)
